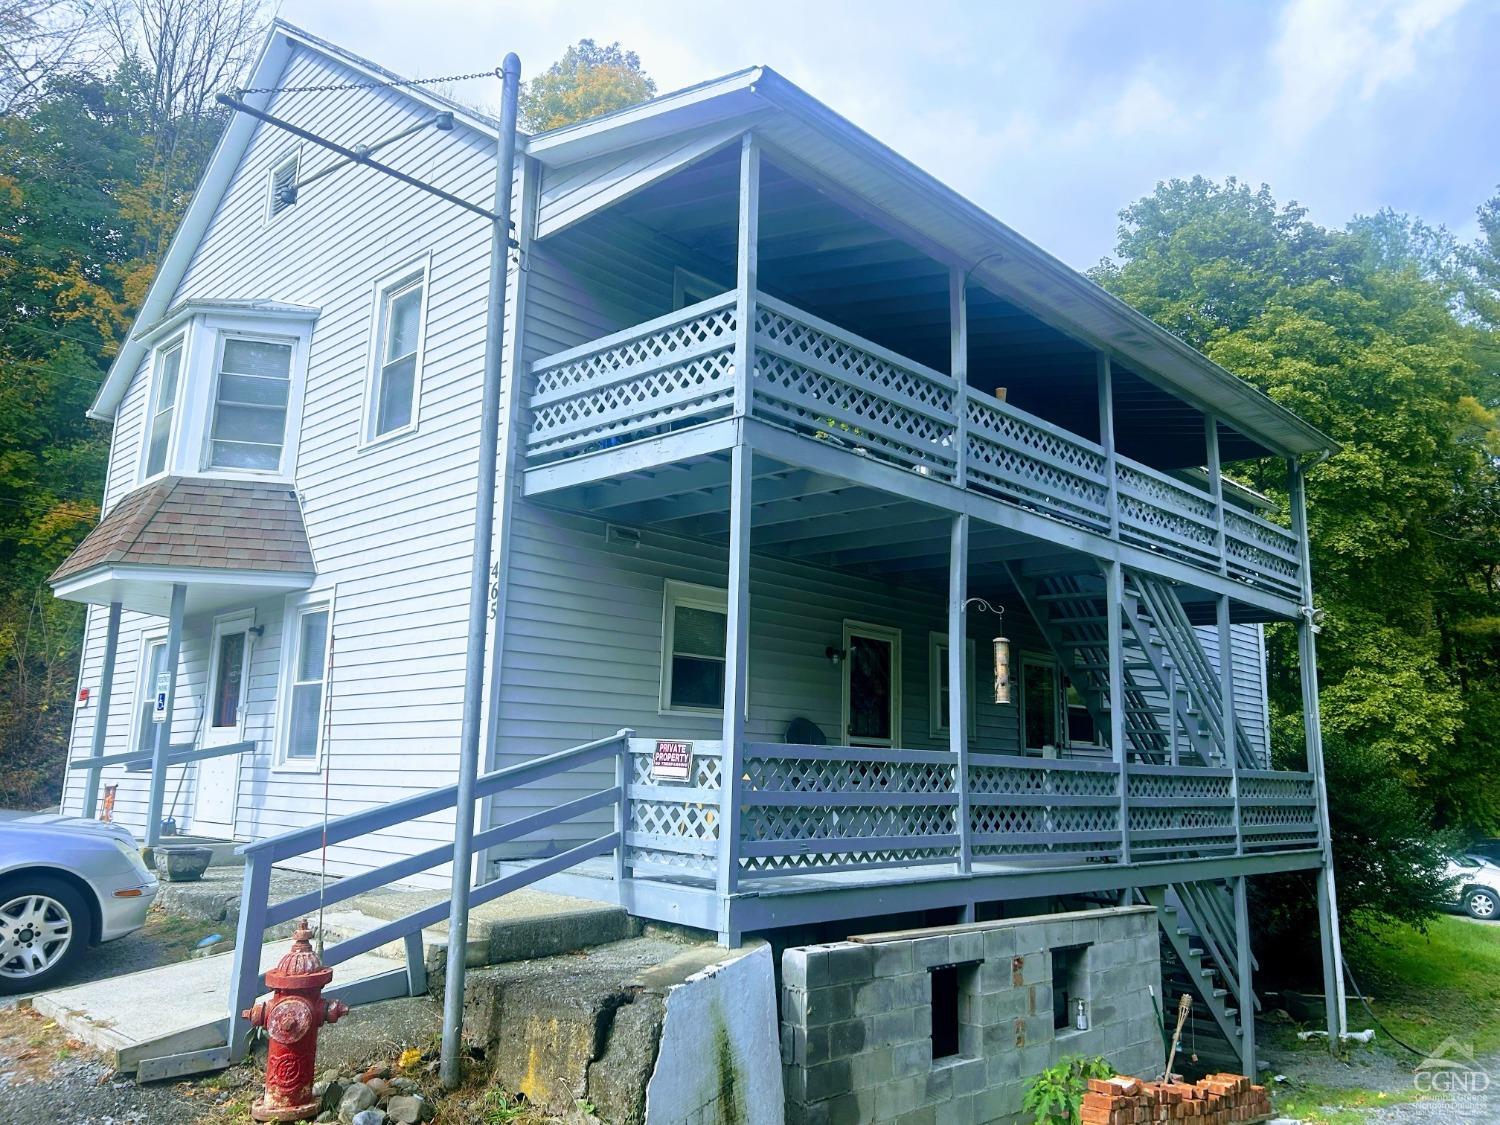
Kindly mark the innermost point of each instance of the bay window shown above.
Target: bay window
(225, 391)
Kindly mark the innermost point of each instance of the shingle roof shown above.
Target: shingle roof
(199, 523)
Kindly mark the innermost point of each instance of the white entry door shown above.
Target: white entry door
(224, 723)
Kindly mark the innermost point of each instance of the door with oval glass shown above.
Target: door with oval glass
(217, 784)
(872, 684)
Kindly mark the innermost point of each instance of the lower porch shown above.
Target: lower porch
(839, 833)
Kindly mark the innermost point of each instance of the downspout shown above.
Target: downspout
(479, 577)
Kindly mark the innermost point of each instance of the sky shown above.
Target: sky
(1054, 115)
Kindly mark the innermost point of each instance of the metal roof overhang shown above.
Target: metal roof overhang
(809, 138)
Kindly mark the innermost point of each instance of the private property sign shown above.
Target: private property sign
(672, 761)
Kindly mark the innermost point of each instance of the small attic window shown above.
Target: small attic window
(283, 186)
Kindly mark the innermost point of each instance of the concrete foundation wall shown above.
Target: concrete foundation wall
(858, 1023)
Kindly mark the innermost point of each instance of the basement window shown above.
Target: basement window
(953, 1024)
(1070, 984)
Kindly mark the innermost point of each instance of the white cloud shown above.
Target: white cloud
(1328, 50)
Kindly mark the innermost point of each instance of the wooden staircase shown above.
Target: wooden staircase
(1200, 952)
(1173, 708)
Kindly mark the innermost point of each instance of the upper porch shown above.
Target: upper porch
(834, 415)
(885, 381)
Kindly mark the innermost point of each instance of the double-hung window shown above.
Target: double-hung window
(163, 407)
(937, 685)
(694, 630)
(153, 669)
(307, 682)
(396, 377)
(251, 393)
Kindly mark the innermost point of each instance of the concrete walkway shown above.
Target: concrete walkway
(183, 1006)
(169, 1009)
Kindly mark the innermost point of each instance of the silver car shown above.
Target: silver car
(1477, 881)
(66, 883)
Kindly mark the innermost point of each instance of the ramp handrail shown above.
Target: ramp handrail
(257, 913)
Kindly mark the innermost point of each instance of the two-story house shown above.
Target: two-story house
(906, 553)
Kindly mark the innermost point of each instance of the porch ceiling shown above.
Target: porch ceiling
(802, 516)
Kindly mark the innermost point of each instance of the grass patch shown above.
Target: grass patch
(1427, 987)
(176, 938)
(1335, 1105)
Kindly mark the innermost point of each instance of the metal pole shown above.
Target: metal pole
(1114, 598)
(1307, 656)
(163, 744)
(1226, 709)
(1244, 969)
(736, 686)
(101, 717)
(958, 681)
(479, 575)
(1106, 383)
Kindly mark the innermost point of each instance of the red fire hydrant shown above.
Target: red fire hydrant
(291, 1018)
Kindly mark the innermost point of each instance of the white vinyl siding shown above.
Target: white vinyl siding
(251, 392)
(390, 523)
(163, 407)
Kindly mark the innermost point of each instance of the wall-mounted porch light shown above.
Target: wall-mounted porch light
(1001, 645)
(835, 655)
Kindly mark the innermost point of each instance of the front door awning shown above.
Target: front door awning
(227, 541)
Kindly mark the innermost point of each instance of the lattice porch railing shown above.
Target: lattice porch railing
(838, 808)
(674, 826)
(809, 810)
(1278, 810)
(832, 386)
(672, 371)
(1062, 809)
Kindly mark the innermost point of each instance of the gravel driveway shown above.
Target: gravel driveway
(46, 1077)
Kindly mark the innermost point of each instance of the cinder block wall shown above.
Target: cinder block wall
(858, 1018)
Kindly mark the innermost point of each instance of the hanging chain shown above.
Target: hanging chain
(373, 85)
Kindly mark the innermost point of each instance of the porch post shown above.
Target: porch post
(1245, 970)
(1114, 597)
(748, 267)
(101, 717)
(1215, 487)
(1226, 709)
(958, 681)
(1107, 440)
(164, 728)
(958, 366)
(1307, 657)
(736, 663)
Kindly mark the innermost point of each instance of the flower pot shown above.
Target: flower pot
(184, 864)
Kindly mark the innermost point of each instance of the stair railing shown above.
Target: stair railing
(258, 914)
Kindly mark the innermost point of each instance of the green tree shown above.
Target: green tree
(589, 80)
(1363, 332)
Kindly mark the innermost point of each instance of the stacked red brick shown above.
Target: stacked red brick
(1219, 1099)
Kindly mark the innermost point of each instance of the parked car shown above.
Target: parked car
(66, 883)
(1478, 885)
